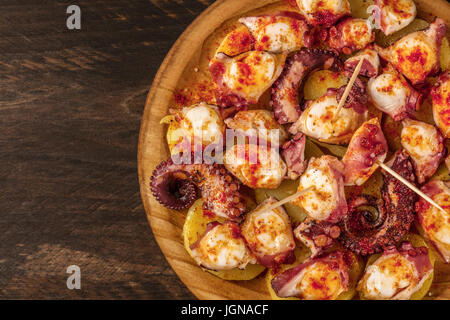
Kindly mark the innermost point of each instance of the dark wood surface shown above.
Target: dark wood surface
(70, 110)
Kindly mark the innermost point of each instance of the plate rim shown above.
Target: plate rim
(178, 50)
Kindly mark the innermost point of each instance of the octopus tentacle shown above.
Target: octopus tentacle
(317, 235)
(172, 188)
(357, 98)
(293, 152)
(374, 224)
(285, 97)
(177, 186)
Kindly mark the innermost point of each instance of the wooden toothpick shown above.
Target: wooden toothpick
(382, 165)
(287, 199)
(349, 87)
(410, 185)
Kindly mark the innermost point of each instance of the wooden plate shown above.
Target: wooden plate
(185, 60)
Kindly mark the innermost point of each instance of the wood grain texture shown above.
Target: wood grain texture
(167, 224)
(70, 110)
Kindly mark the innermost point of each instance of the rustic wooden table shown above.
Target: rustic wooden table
(70, 109)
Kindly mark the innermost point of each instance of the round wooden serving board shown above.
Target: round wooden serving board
(185, 66)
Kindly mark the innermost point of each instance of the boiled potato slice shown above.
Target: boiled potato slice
(250, 203)
(312, 150)
(445, 54)
(236, 42)
(195, 226)
(196, 223)
(371, 187)
(392, 132)
(385, 41)
(359, 8)
(287, 188)
(441, 173)
(355, 273)
(416, 241)
(319, 81)
(333, 149)
(374, 184)
(302, 254)
(174, 133)
(425, 112)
